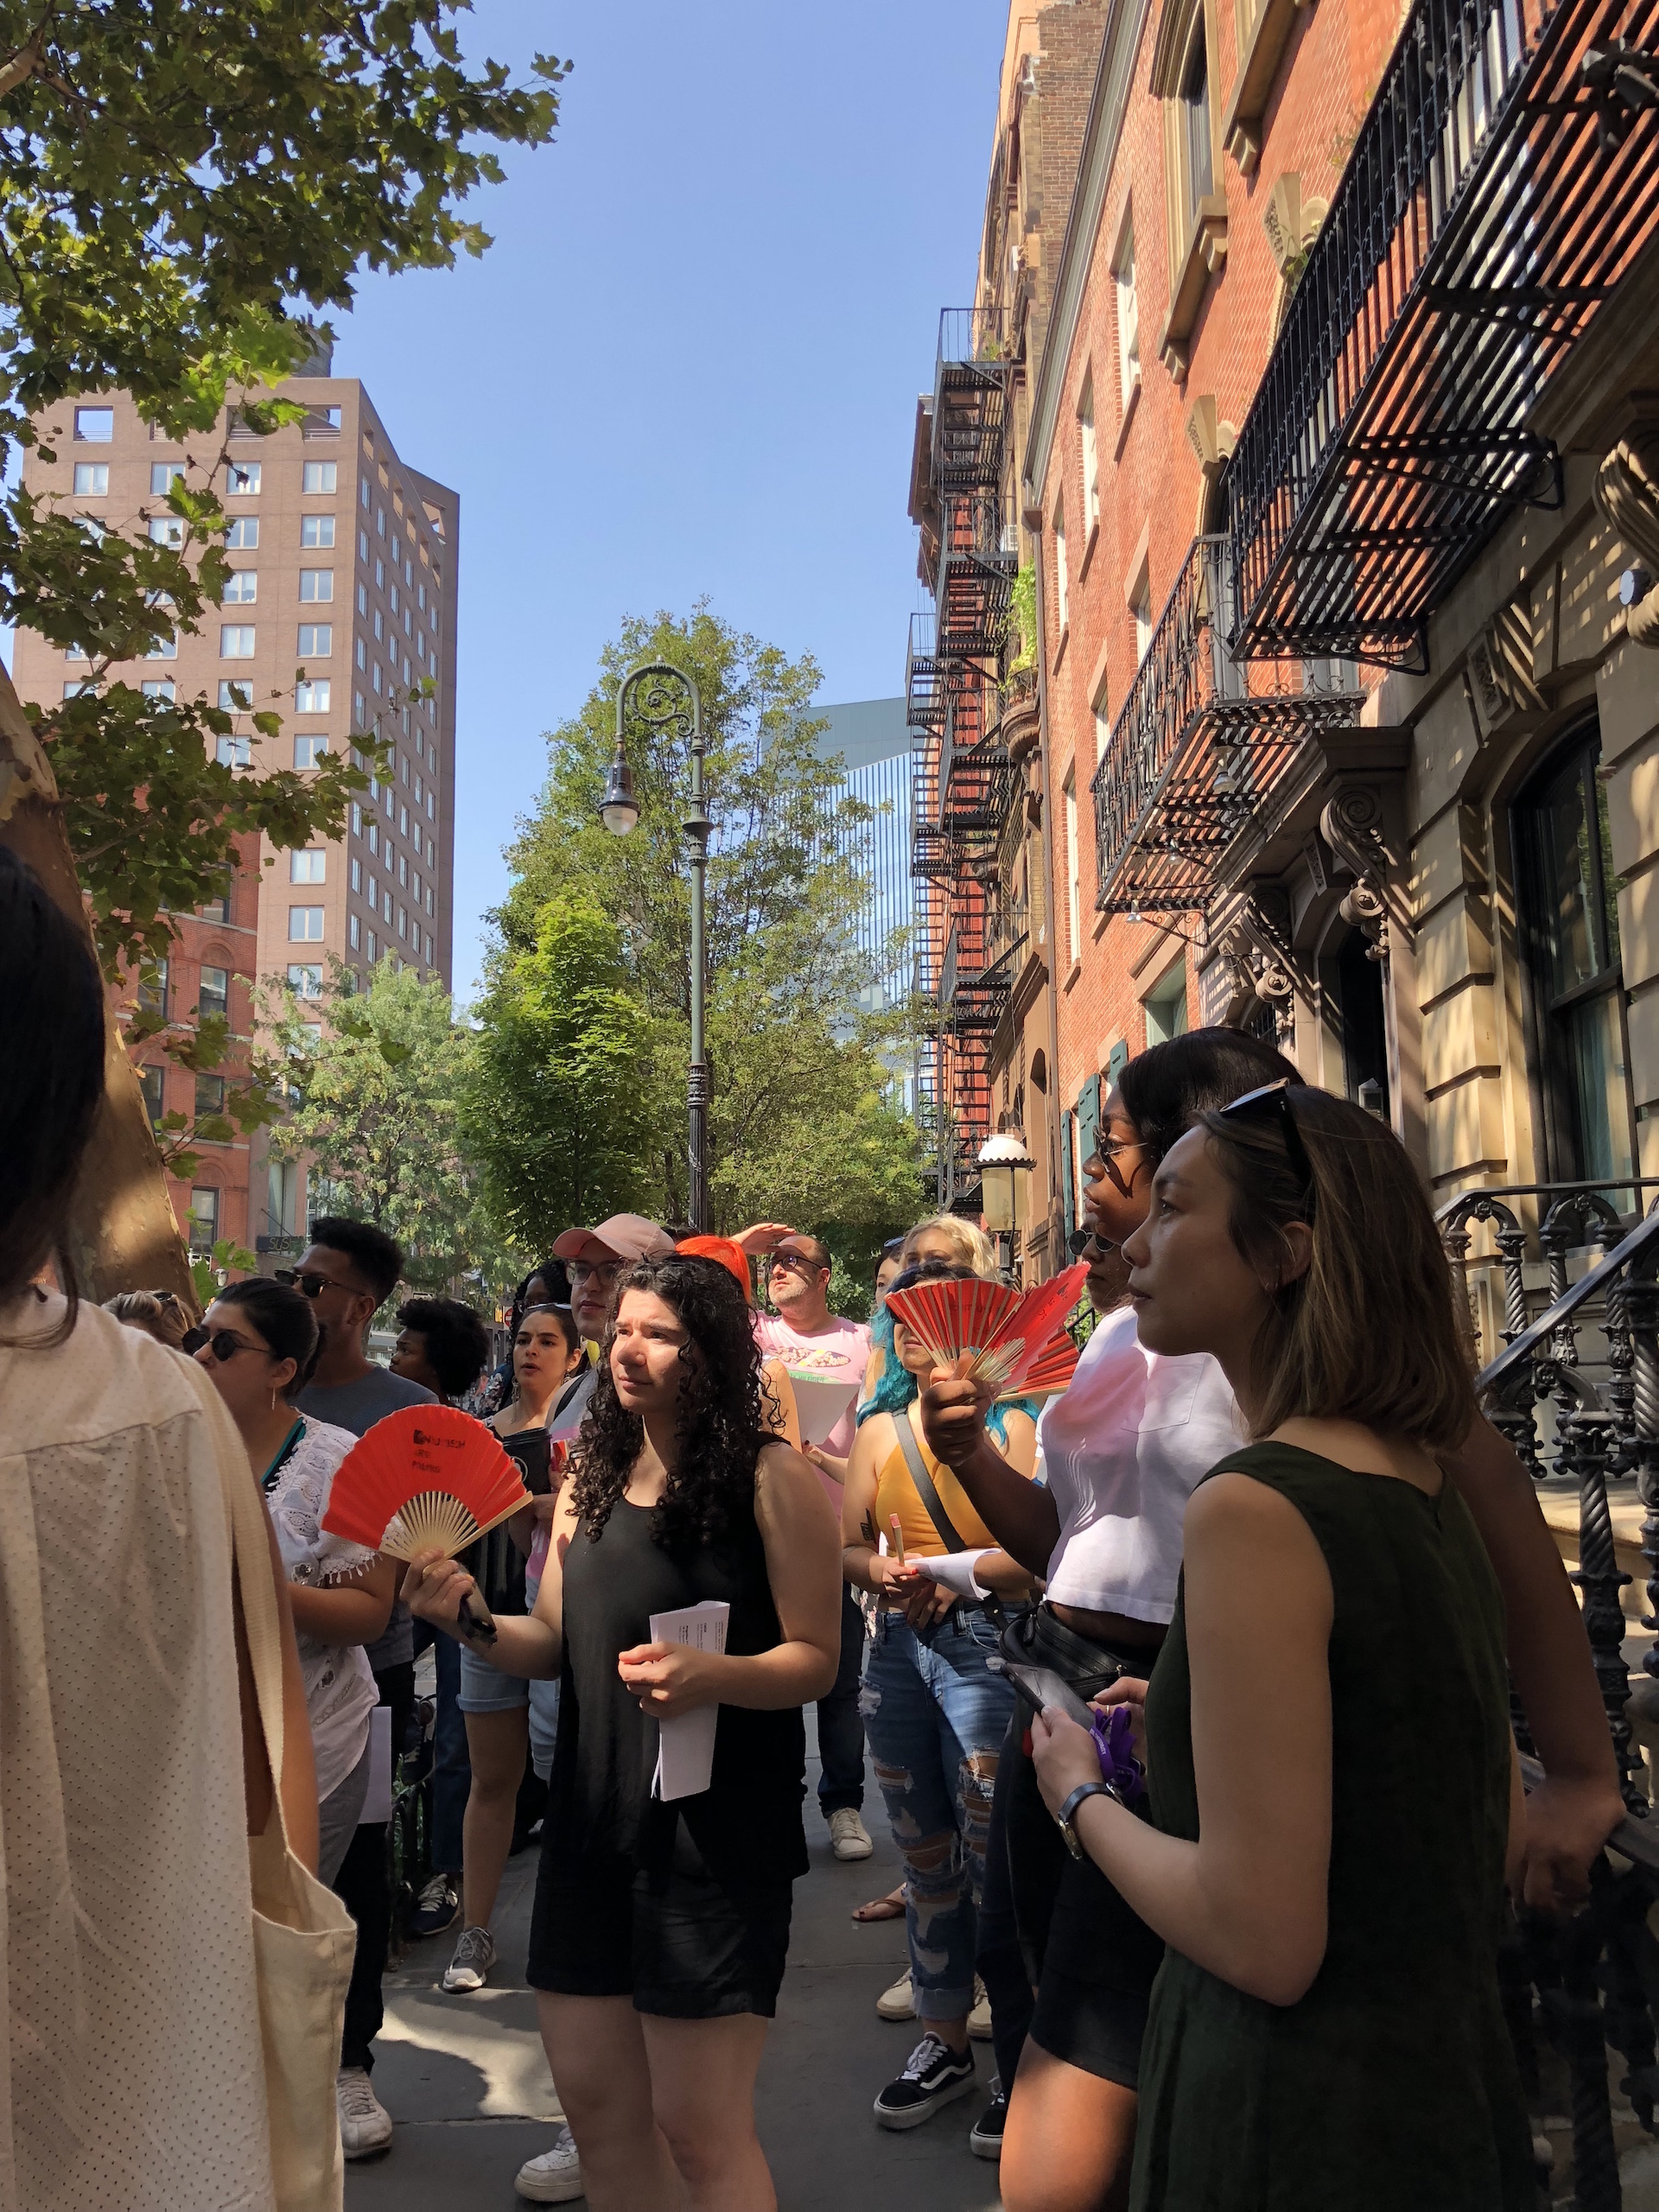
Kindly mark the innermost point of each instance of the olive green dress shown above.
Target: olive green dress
(1391, 2086)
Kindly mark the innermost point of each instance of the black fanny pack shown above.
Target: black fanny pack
(1039, 1638)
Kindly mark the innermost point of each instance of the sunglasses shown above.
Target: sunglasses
(1271, 1102)
(223, 1344)
(795, 1263)
(1107, 1155)
(311, 1284)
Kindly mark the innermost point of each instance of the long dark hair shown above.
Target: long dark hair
(719, 1431)
(283, 1319)
(53, 1002)
(1168, 1086)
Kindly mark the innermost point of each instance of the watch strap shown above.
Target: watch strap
(1068, 1810)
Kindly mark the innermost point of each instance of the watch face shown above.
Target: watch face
(1070, 1835)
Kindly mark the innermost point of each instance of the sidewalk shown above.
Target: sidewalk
(465, 2080)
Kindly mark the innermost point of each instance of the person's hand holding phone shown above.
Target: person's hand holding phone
(1131, 1690)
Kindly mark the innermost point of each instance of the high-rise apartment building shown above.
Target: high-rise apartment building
(342, 598)
(871, 739)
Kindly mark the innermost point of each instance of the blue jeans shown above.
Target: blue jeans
(841, 1732)
(935, 1716)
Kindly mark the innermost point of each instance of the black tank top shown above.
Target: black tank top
(746, 1825)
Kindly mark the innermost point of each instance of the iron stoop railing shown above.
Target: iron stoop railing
(1504, 179)
(1576, 1391)
(1200, 741)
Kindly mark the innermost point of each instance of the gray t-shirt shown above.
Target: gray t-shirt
(358, 1405)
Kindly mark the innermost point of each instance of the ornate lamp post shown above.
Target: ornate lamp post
(660, 704)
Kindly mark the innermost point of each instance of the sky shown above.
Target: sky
(688, 363)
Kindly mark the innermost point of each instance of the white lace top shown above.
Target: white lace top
(131, 2076)
(340, 1686)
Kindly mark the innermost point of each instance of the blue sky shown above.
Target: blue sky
(688, 363)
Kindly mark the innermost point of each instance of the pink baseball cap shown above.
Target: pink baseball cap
(624, 1236)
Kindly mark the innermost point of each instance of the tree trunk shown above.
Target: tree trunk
(121, 1232)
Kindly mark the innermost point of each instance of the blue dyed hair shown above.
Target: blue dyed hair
(897, 1385)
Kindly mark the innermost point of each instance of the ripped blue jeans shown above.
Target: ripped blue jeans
(935, 1716)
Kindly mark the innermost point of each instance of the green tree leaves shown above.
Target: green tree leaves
(558, 1113)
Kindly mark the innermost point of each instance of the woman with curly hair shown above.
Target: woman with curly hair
(660, 1930)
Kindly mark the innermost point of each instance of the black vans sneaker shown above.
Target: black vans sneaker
(934, 2074)
(985, 2136)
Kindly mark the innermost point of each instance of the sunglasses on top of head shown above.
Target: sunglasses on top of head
(1271, 1101)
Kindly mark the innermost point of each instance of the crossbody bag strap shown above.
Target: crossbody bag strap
(251, 1567)
(944, 1526)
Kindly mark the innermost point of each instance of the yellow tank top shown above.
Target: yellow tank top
(896, 1493)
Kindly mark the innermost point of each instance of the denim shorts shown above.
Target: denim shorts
(485, 1689)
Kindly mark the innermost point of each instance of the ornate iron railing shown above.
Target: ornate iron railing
(1502, 184)
(1576, 1391)
(1199, 742)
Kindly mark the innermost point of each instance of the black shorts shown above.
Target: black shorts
(1091, 1958)
(689, 1947)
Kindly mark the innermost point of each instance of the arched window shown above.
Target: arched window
(1569, 919)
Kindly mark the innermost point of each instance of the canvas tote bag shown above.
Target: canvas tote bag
(303, 1937)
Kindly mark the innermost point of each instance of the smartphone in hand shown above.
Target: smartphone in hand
(1040, 1686)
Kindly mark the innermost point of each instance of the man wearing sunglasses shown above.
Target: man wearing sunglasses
(348, 1271)
(817, 1346)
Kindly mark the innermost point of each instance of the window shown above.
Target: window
(204, 1218)
(321, 476)
(167, 530)
(385, 904)
(213, 993)
(403, 820)
(1129, 314)
(1073, 879)
(1091, 457)
(304, 980)
(402, 922)
(359, 707)
(233, 698)
(374, 891)
(403, 869)
(396, 603)
(316, 583)
(241, 587)
(316, 530)
(310, 751)
(210, 1095)
(243, 535)
(159, 687)
(415, 886)
(1103, 714)
(362, 662)
(374, 949)
(153, 1083)
(374, 836)
(362, 545)
(357, 877)
(379, 576)
(380, 522)
(153, 989)
(316, 640)
(245, 480)
(364, 488)
(1570, 924)
(379, 630)
(91, 480)
(94, 426)
(216, 909)
(1166, 1006)
(163, 475)
(420, 791)
(402, 767)
(311, 695)
(1198, 171)
(305, 925)
(164, 649)
(234, 752)
(431, 809)
(357, 820)
(1140, 608)
(362, 599)
(1062, 574)
(374, 678)
(354, 932)
(236, 641)
(308, 867)
(428, 949)
(83, 689)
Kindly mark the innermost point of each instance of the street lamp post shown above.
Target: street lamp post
(661, 706)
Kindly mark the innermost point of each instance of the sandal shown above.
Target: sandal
(891, 1907)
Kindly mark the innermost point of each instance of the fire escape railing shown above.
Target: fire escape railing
(1200, 742)
(1502, 184)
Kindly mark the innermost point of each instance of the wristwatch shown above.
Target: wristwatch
(1067, 1813)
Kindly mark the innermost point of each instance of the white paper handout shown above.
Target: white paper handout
(685, 1751)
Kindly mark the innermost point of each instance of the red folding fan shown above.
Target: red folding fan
(1002, 1335)
(954, 1314)
(427, 1479)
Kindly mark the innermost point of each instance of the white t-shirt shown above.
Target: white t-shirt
(1124, 1447)
(132, 2077)
(340, 1686)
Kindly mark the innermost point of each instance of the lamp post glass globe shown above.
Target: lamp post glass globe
(618, 810)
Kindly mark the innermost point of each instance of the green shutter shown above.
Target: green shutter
(1088, 1122)
(1068, 1182)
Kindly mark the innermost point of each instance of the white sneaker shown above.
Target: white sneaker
(365, 2123)
(555, 2176)
(470, 1967)
(897, 2003)
(979, 2020)
(848, 1837)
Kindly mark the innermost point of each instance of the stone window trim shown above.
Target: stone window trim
(1197, 226)
(1261, 47)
